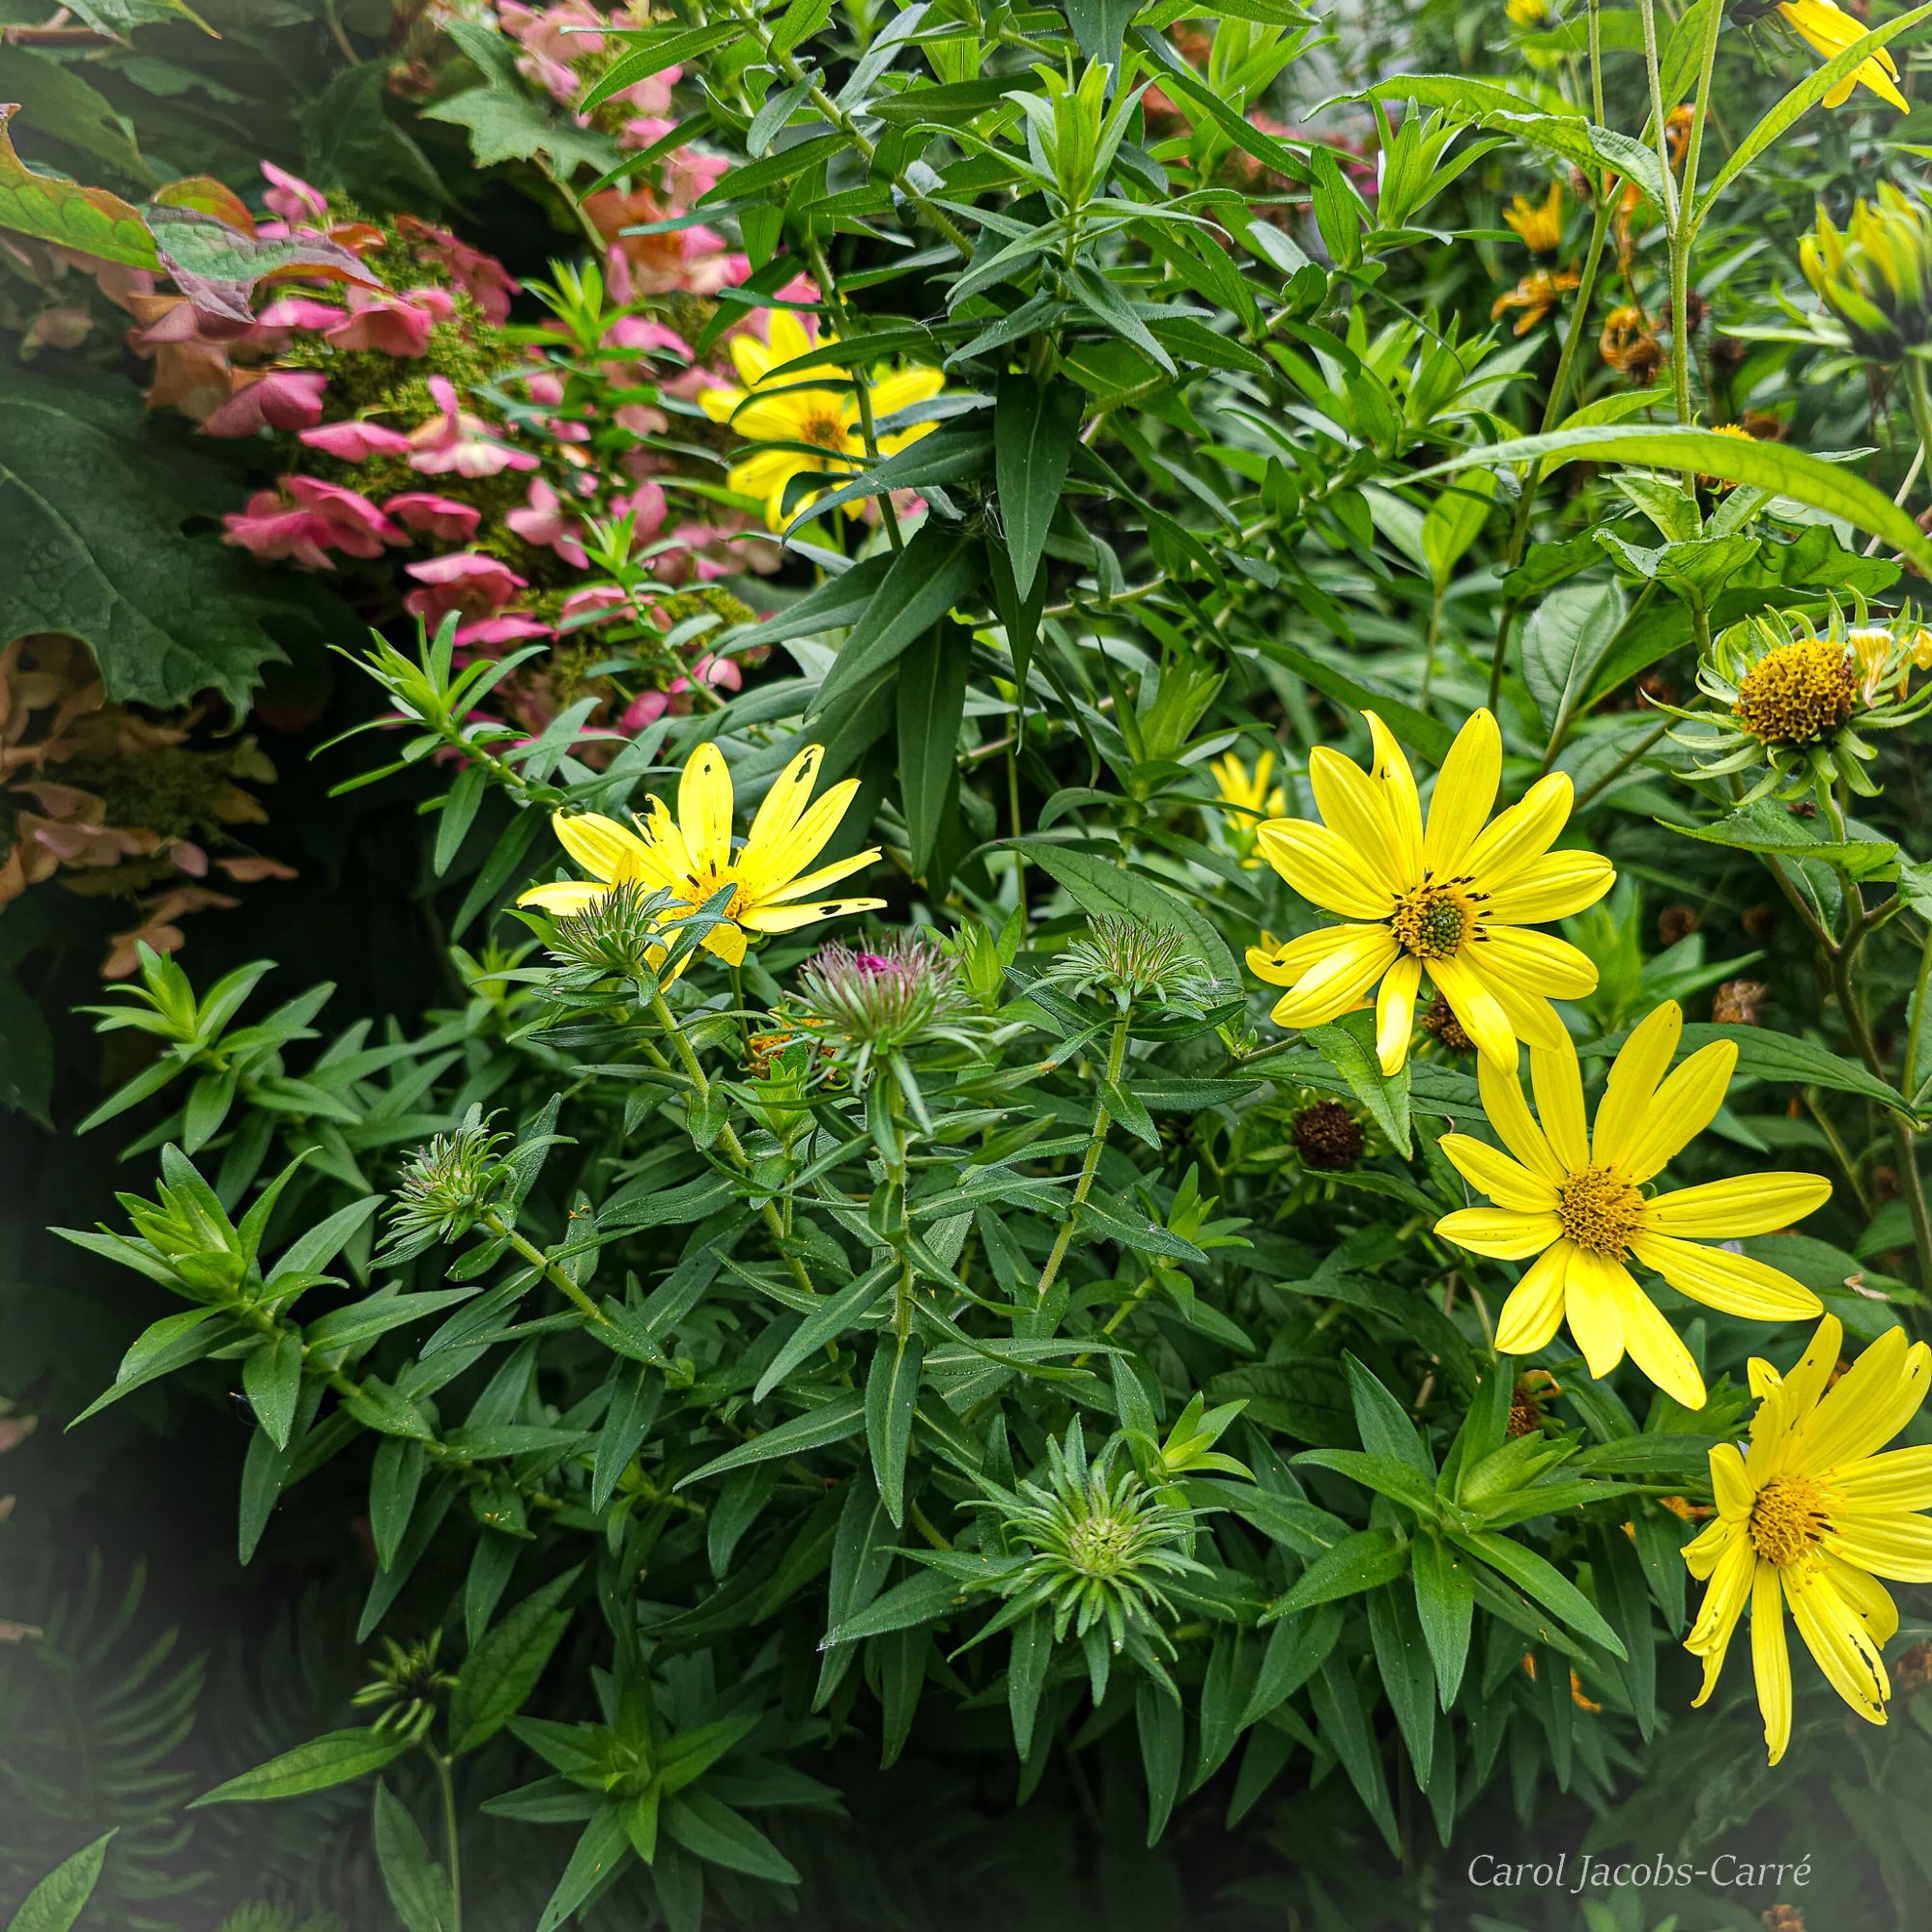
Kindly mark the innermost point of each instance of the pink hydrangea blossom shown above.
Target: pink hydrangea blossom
(456, 442)
(434, 516)
(270, 399)
(392, 324)
(290, 197)
(354, 440)
(466, 582)
(542, 524)
(271, 529)
(357, 526)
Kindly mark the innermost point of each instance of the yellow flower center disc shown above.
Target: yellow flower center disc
(1798, 693)
(1431, 921)
(1787, 1518)
(1600, 1209)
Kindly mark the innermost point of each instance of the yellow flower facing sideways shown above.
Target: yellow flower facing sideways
(1827, 31)
(1540, 224)
(1251, 796)
(1575, 1200)
(1811, 1517)
(823, 423)
(692, 858)
(1455, 899)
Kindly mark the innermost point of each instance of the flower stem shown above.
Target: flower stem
(446, 1784)
(1096, 1141)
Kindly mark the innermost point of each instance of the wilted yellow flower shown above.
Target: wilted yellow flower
(691, 858)
(1252, 797)
(821, 426)
(1811, 1517)
(1536, 295)
(1827, 31)
(1625, 336)
(1456, 901)
(1539, 223)
(1875, 278)
(1887, 656)
(1575, 1201)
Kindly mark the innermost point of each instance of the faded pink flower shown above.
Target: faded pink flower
(301, 313)
(466, 582)
(159, 928)
(504, 629)
(594, 604)
(64, 325)
(485, 279)
(645, 503)
(249, 869)
(644, 710)
(270, 399)
(459, 443)
(357, 526)
(271, 529)
(434, 516)
(394, 324)
(354, 440)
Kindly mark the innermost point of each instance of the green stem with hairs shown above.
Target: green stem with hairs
(1096, 1141)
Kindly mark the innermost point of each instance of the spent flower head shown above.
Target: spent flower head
(448, 1187)
(1135, 963)
(621, 931)
(1875, 278)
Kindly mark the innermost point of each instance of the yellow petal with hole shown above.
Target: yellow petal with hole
(1465, 794)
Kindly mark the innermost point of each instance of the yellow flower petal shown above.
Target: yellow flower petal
(1340, 981)
(1687, 1102)
(1401, 804)
(1900, 1479)
(1748, 1204)
(561, 899)
(788, 338)
(720, 404)
(1723, 1603)
(1538, 962)
(1593, 1295)
(1896, 1546)
(601, 845)
(1827, 31)
(1394, 1012)
(814, 884)
(904, 389)
(1838, 1639)
(1465, 794)
(1529, 1317)
(1510, 1116)
(1523, 832)
(704, 810)
(1533, 1021)
(1505, 1233)
(1641, 1063)
(1867, 1600)
(1867, 1405)
(1476, 1007)
(1506, 1182)
(1324, 868)
(764, 865)
(1736, 1284)
(783, 804)
(789, 918)
(1771, 1661)
(1729, 1489)
(1557, 1080)
(1552, 887)
(1354, 807)
(1286, 963)
(1656, 1347)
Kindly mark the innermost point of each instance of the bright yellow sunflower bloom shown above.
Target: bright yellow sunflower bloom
(1827, 31)
(1812, 1516)
(1251, 796)
(1454, 899)
(692, 856)
(1575, 1201)
(824, 423)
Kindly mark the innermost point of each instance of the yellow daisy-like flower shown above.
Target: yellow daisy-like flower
(692, 858)
(1540, 224)
(1576, 1200)
(1811, 1517)
(1455, 900)
(1827, 31)
(1251, 794)
(822, 423)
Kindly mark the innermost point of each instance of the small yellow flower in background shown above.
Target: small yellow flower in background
(1827, 31)
(1526, 13)
(1539, 223)
(1887, 656)
(1455, 900)
(1811, 1517)
(1252, 796)
(691, 857)
(1574, 1201)
(794, 411)
(1536, 295)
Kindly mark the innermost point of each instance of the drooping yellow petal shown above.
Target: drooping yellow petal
(1895, 1547)
(1867, 1600)
(1837, 1638)
(1747, 1204)
(1477, 1009)
(1656, 1347)
(1529, 1317)
(1394, 1012)
(1687, 1102)
(1465, 794)
(1533, 1021)
(1593, 1296)
(1538, 962)
(1723, 1603)
(1641, 1063)
(1506, 1182)
(563, 899)
(1510, 1116)
(1340, 981)
(1730, 1489)
(1771, 1661)
(1827, 31)
(1286, 963)
(1323, 868)
(1552, 887)
(1557, 1080)
(1736, 1284)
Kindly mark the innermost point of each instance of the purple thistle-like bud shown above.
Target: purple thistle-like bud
(883, 1000)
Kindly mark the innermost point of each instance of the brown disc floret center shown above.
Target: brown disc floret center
(1431, 921)
(1600, 1209)
(1798, 693)
(1788, 1518)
